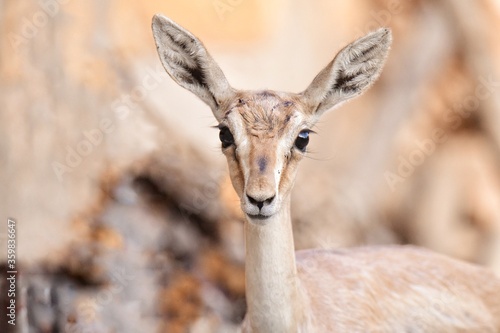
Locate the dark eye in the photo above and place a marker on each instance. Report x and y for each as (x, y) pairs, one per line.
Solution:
(302, 140)
(226, 137)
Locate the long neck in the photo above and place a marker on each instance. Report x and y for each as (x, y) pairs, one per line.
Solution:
(271, 275)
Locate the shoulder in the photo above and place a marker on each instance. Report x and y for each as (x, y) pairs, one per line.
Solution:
(382, 253)
(397, 260)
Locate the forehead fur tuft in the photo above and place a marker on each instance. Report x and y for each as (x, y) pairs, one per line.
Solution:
(267, 114)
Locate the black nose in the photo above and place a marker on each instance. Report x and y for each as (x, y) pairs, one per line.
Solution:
(260, 203)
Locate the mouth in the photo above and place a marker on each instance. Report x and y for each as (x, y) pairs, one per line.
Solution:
(259, 216)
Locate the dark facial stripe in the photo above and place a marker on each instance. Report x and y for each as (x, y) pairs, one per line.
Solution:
(262, 162)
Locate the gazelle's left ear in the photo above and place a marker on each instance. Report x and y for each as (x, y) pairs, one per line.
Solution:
(351, 73)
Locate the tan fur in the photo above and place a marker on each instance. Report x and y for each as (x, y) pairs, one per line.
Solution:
(394, 289)
(397, 289)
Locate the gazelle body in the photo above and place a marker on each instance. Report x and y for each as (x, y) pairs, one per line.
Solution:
(264, 135)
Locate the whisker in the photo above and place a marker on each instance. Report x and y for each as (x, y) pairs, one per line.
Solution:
(216, 149)
(323, 159)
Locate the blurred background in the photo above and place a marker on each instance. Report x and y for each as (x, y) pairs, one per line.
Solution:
(126, 218)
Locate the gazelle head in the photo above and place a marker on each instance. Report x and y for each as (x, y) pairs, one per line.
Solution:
(264, 134)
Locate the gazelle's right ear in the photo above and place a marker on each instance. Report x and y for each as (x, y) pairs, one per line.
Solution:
(187, 61)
